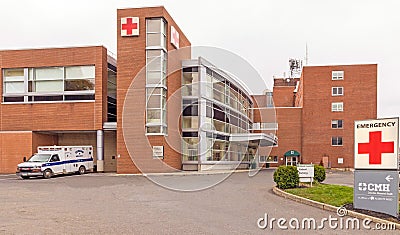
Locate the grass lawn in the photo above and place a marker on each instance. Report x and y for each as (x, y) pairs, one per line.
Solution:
(335, 195)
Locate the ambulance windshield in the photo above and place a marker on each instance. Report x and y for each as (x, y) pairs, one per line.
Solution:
(40, 158)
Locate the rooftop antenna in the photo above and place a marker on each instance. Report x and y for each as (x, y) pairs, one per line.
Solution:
(295, 66)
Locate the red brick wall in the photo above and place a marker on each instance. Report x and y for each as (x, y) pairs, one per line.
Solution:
(13, 147)
(298, 102)
(283, 96)
(259, 101)
(131, 59)
(43, 140)
(289, 132)
(56, 116)
(360, 102)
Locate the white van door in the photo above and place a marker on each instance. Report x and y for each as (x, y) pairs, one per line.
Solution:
(56, 164)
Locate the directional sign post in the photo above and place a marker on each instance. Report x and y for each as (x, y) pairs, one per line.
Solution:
(377, 191)
(376, 176)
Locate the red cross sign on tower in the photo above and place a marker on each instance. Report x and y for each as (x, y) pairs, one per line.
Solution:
(130, 26)
(375, 147)
(174, 37)
(376, 144)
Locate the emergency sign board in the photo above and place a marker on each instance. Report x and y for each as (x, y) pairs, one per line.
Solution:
(376, 144)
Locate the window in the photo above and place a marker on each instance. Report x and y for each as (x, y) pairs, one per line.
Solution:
(270, 102)
(336, 91)
(337, 124)
(337, 141)
(49, 84)
(55, 158)
(156, 106)
(268, 159)
(79, 78)
(156, 74)
(190, 81)
(265, 126)
(156, 67)
(14, 81)
(112, 94)
(337, 107)
(189, 147)
(156, 32)
(337, 75)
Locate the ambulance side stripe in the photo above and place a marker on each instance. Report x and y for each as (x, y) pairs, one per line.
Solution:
(67, 162)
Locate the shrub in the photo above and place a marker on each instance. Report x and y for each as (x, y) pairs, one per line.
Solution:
(286, 177)
(319, 173)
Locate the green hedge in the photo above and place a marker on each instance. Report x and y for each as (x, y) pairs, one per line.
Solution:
(286, 177)
(319, 173)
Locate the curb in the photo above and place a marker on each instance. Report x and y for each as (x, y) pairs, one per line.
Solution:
(190, 173)
(327, 207)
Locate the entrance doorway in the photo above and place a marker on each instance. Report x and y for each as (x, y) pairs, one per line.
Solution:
(292, 158)
(291, 161)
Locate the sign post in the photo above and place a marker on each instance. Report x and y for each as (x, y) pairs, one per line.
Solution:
(306, 173)
(376, 175)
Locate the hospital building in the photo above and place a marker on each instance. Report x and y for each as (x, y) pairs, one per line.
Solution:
(154, 108)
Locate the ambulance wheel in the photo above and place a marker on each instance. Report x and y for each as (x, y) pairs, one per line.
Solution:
(47, 174)
(82, 170)
(25, 177)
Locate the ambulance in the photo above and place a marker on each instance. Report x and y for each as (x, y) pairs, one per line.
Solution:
(55, 160)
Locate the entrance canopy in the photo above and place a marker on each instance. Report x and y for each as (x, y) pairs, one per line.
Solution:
(264, 139)
(292, 153)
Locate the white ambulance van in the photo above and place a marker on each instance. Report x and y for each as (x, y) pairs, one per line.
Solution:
(54, 160)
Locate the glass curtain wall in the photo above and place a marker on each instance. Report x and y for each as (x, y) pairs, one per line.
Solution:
(227, 111)
(112, 94)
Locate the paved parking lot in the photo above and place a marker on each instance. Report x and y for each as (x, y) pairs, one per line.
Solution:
(340, 177)
(109, 204)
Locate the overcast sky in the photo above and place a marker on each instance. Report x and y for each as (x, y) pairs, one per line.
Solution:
(266, 33)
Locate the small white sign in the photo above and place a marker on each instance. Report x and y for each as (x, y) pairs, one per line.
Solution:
(158, 151)
(376, 144)
(340, 160)
(306, 172)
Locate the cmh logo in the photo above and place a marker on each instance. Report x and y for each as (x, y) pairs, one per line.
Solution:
(362, 186)
(374, 187)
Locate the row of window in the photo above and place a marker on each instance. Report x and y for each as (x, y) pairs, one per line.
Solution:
(217, 88)
(49, 84)
(220, 118)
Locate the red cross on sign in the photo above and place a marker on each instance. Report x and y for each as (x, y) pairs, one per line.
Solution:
(375, 147)
(130, 26)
